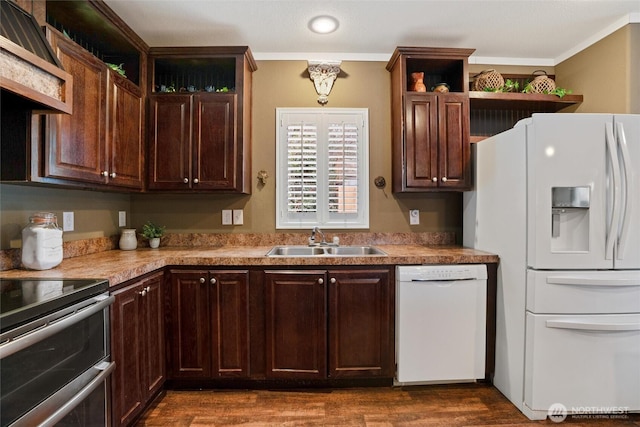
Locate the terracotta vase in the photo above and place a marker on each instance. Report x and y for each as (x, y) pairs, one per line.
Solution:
(417, 84)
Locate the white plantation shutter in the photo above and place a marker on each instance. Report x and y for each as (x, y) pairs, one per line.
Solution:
(302, 167)
(343, 168)
(322, 168)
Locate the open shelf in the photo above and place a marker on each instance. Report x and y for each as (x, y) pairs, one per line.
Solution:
(521, 101)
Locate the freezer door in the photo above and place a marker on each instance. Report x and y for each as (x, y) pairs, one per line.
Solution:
(582, 361)
(567, 205)
(627, 134)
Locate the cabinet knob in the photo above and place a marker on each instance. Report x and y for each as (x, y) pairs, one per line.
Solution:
(143, 292)
(186, 180)
(213, 281)
(320, 281)
(434, 179)
(196, 180)
(104, 173)
(333, 280)
(148, 289)
(444, 179)
(112, 174)
(202, 280)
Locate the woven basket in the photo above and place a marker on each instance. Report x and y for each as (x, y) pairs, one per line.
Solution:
(487, 79)
(542, 83)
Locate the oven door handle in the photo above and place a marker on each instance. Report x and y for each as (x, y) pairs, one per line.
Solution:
(106, 369)
(28, 339)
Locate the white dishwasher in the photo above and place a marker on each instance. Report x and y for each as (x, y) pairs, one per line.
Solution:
(440, 323)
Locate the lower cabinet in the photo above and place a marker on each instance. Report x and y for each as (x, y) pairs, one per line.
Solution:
(325, 324)
(208, 334)
(137, 346)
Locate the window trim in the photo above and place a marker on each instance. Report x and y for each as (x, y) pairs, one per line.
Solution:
(322, 217)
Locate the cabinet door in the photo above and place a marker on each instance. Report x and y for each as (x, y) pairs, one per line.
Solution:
(169, 142)
(230, 323)
(361, 342)
(75, 145)
(421, 141)
(154, 371)
(126, 351)
(296, 324)
(215, 155)
(125, 133)
(190, 342)
(453, 136)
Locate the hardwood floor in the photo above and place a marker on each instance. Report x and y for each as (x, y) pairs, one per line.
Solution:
(434, 405)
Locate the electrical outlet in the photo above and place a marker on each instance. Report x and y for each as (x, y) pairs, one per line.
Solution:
(122, 219)
(238, 217)
(414, 217)
(227, 218)
(67, 221)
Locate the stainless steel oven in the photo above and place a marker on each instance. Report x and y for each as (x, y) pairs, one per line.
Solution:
(54, 352)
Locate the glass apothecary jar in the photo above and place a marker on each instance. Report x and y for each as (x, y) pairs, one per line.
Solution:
(42, 242)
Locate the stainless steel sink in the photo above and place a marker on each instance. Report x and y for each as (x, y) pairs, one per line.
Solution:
(313, 251)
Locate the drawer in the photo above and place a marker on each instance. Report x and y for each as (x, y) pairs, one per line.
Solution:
(597, 292)
(582, 361)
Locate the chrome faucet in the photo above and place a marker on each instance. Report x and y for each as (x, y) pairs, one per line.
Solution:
(323, 242)
(312, 239)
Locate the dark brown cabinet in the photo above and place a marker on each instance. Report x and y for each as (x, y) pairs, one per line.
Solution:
(199, 134)
(329, 324)
(361, 318)
(193, 142)
(437, 146)
(296, 324)
(208, 335)
(101, 143)
(137, 346)
(430, 130)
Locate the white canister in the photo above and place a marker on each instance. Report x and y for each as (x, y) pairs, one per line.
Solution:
(128, 239)
(42, 242)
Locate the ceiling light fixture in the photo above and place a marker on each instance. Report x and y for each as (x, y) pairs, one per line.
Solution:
(323, 24)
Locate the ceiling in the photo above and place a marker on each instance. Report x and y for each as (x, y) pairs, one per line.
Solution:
(518, 32)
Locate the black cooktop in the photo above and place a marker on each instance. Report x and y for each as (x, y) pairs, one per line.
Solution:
(23, 300)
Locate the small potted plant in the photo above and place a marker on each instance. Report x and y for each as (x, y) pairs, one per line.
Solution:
(153, 232)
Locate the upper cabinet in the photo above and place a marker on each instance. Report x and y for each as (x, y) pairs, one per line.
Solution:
(100, 145)
(430, 126)
(199, 133)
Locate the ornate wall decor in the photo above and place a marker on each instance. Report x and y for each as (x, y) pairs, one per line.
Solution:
(323, 74)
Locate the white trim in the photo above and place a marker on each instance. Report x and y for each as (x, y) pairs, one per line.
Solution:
(631, 18)
(497, 60)
(321, 56)
(322, 216)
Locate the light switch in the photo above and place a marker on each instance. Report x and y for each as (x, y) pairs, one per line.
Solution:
(238, 217)
(122, 219)
(414, 217)
(227, 219)
(67, 221)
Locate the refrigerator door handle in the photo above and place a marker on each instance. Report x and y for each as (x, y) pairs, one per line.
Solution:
(626, 215)
(615, 214)
(592, 326)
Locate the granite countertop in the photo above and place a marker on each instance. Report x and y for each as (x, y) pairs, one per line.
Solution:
(119, 266)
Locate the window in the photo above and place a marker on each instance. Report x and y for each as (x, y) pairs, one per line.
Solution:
(322, 164)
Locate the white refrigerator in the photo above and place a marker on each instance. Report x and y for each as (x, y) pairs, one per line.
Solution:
(558, 199)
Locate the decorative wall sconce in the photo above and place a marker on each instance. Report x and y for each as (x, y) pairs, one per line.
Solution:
(262, 177)
(323, 74)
